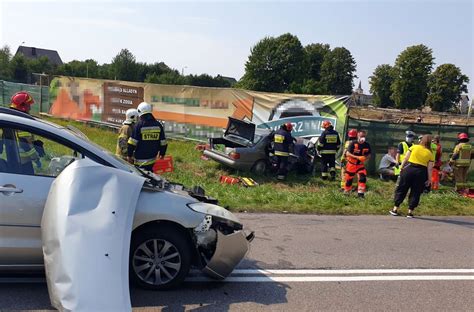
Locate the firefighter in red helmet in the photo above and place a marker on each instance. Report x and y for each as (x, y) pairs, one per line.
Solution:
(357, 154)
(351, 137)
(31, 150)
(22, 101)
(461, 159)
(328, 144)
(282, 143)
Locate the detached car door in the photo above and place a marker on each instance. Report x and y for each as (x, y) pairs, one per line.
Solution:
(27, 170)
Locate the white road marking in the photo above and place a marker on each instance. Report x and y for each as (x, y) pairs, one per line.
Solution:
(310, 275)
(293, 279)
(349, 271)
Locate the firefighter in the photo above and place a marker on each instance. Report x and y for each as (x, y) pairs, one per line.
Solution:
(357, 154)
(403, 147)
(352, 136)
(328, 144)
(125, 132)
(461, 158)
(30, 149)
(437, 163)
(282, 144)
(148, 141)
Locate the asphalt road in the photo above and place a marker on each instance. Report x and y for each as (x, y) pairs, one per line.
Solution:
(310, 262)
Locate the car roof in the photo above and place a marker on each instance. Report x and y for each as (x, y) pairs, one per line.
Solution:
(24, 120)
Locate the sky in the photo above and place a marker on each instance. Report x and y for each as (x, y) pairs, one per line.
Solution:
(216, 37)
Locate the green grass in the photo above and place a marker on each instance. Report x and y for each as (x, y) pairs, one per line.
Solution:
(299, 194)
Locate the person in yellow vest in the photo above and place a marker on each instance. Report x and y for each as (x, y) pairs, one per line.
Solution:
(403, 147)
(125, 132)
(351, 137)
(461, 158)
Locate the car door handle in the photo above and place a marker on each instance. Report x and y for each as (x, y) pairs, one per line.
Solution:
(8, 189)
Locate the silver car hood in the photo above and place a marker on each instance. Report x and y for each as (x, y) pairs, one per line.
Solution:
(86, 229)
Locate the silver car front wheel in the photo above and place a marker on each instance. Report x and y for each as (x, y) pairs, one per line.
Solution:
(156, 262)
(159, 258)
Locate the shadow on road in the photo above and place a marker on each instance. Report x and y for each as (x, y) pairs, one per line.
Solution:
(212, 296)
(202, 296)
(464, 223)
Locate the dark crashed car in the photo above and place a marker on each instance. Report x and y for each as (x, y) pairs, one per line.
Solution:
(244, 147)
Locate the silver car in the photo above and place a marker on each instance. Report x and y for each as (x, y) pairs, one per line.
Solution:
(185, 227)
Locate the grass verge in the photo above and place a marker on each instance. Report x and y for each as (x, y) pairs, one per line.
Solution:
(299, 194)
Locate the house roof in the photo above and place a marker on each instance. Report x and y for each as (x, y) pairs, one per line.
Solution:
(34, 53)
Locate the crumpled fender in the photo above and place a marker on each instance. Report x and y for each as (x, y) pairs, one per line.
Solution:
(86, 229)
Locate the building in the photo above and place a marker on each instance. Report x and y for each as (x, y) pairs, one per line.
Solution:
(34, 53)
(359, 98)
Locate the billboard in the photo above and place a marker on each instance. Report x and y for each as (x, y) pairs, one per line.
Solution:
(195, 111)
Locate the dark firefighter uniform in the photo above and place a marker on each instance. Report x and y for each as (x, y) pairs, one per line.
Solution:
(147, 141)
(356, 166)
(282, 141)
(328, 145)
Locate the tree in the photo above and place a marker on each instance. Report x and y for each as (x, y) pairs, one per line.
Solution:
(314, 57)
(338, 72)
(274, 64)
(412, 69)
(445, 85)
(124, 66)
(205, 80)
(19, 68)
(40, 65)
(5, 57)
(380, 85)
(170, 78)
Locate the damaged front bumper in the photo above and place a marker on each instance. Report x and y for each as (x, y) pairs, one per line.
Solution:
(230, 250)
(220, 240)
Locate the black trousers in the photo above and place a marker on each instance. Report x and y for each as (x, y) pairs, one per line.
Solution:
(413, 178)
(282, 165)
(328, 163)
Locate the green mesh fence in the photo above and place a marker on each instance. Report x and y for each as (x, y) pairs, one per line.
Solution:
(40, 95)
(382, 135)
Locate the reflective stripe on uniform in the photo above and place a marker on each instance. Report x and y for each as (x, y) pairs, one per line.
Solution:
(327, 152)
(278, 153)
(163, 143)
(331, 138)
(279, 138)
(132, 141)
(24, 134)
(145, 162)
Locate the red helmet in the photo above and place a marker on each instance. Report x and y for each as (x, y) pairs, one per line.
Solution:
(463, 136)
(352, 133)
(289, 126)
(326, 124)
(22, 101)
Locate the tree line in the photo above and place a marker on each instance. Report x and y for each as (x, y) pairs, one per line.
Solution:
(412, 83)
(281, 64)
(123, 66)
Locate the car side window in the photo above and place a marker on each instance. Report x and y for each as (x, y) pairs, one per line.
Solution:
(42, 156)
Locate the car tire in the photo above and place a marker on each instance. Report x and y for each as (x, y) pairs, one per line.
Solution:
(160, 257)
(260, 167)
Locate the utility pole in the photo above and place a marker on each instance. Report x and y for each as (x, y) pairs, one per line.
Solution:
(41, 89)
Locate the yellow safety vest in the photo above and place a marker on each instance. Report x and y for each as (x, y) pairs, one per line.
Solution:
(405, 151)
(463, 150)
